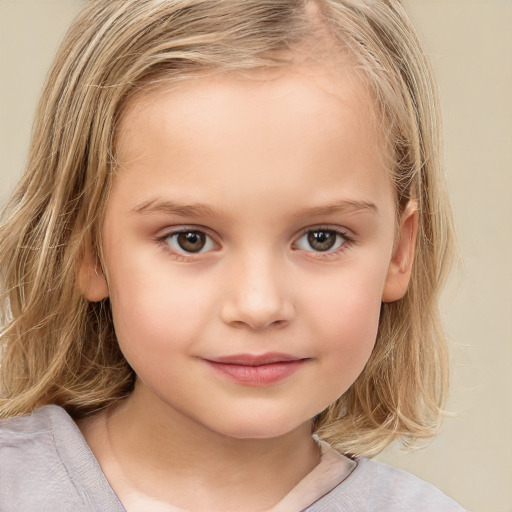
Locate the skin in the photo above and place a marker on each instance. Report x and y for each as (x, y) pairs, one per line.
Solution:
(270, 158)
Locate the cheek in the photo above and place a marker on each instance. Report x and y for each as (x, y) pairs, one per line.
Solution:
(156, 312)
(350, 330)
(348, 301)
(346, 319)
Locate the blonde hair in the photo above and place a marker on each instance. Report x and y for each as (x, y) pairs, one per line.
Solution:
(59, 348)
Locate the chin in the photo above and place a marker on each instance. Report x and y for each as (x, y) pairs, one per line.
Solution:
(262, 428)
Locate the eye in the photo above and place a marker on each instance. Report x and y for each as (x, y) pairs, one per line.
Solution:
(189, 241)
(321, 240)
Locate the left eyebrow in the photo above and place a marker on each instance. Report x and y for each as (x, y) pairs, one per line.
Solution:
(172, 208)
(345, 206)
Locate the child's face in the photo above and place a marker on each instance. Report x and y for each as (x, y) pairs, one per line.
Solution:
(251, 222)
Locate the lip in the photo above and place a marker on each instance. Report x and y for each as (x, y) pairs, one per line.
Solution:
(257, 370)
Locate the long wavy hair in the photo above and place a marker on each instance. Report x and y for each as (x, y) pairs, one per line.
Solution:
(59, 348)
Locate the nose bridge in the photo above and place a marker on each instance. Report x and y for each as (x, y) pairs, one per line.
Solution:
(258, 295)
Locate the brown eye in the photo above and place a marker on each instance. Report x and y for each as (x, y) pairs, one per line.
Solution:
(190, 242)
(322, 240)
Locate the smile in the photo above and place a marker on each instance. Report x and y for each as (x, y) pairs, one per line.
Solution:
(256, 370)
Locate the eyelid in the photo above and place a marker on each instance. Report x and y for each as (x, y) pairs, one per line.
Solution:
(344, 233)
(168, 232)
(185, 228)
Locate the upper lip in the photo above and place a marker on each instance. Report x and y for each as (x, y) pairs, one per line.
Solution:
(255, 359)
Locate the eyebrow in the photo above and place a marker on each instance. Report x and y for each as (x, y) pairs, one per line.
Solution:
(344, 206)
(172, 208)
(197, 210)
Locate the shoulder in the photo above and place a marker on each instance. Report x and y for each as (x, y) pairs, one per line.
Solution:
(40, 418)
(30, 462)
(374, 486)
(45, 464)
(34, 434)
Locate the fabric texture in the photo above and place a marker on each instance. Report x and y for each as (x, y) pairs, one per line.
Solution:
(46, 465)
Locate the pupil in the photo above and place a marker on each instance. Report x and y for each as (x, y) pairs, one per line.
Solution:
(192, 241)
(322, 240)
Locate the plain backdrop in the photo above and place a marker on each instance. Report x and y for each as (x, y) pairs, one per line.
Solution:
(470, 43)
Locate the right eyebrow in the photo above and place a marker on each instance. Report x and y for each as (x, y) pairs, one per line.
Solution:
(171, 208)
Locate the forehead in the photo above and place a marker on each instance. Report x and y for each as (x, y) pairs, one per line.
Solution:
(303, 126)
(304, 86)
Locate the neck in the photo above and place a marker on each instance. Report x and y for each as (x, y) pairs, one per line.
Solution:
(174, 459)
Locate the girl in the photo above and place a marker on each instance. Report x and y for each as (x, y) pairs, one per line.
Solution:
(231, 235)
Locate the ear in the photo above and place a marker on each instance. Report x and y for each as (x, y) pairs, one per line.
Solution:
(400, 267)
(91, 280)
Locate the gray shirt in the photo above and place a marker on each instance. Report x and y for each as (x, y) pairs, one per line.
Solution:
(47, 466)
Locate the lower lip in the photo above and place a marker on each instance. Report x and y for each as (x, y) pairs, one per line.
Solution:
(261, 375)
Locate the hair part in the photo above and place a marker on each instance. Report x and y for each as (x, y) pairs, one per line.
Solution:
(59, 348)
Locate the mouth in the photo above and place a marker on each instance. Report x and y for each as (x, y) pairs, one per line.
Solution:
(257, 370)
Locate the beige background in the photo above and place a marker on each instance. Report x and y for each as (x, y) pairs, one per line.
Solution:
(470, 42)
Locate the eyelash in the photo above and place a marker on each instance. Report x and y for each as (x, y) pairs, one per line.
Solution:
(163, 241)
(346, 244)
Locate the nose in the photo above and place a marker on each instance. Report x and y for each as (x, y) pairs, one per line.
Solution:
(257, 295)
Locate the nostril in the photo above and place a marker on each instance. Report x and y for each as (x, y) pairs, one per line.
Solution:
(276, 324)
(279, 323)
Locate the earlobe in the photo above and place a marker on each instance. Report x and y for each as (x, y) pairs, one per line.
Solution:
(400, 267)
(91, 280)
